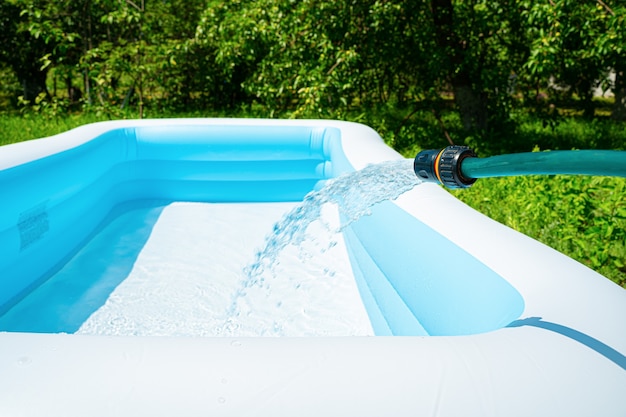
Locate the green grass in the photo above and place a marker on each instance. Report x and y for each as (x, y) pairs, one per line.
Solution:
(20, 127)
(571, 133)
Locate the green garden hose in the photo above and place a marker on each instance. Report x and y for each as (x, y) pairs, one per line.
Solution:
(458, 166)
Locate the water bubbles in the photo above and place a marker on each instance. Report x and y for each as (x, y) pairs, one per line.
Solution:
(277, 328)
(230, 327)
(352, 195)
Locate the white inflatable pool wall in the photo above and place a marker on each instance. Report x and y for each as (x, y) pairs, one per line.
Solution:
(563, 355)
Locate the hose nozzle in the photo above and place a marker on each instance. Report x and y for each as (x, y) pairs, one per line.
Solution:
(444, 166)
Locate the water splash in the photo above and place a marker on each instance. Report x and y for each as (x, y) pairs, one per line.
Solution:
(353, 194)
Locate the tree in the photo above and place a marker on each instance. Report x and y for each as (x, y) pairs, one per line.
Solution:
(611, 45)
(317, 57)
(479, 47)
(576, 44)
(22, 51)
(119, 48)
(146, 51)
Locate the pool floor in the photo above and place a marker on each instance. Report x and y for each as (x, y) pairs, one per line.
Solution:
(175, 270)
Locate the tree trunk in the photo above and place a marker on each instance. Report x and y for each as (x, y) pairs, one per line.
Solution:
(619, 90)
(470, 104)
(87, 46)
(585, 94)
(33, 83)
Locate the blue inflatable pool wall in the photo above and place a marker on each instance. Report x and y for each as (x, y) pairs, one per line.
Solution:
(52, 205)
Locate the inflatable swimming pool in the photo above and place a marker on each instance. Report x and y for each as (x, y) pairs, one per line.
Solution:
(476, 319)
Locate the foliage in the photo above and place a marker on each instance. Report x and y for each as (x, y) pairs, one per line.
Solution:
(574, 45)
(480, 46)
(9, 88)
(22, 50)
(583, 217)
(315, 58)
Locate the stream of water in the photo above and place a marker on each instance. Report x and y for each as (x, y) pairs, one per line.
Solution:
(352, 195)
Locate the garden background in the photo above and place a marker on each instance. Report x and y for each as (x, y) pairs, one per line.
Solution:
(499, 76)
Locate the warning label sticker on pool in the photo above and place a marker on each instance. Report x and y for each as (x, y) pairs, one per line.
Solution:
(33, 225)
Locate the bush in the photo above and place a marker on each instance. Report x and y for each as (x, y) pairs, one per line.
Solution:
(571, 132)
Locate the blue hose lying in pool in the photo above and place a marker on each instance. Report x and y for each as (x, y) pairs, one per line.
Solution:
(458, 166)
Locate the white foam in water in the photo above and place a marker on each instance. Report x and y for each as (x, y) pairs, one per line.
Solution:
(198, 274)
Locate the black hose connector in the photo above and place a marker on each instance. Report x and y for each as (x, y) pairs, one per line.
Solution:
(444, 166)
